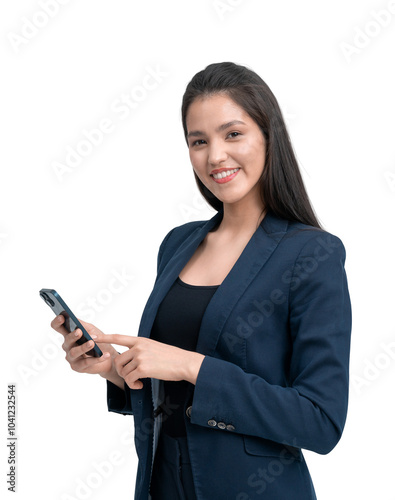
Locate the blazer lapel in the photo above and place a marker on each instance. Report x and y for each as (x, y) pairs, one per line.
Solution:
(254, 256)
(171, 271)
(256, 253)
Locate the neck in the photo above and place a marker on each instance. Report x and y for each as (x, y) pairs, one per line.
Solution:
(236, 221)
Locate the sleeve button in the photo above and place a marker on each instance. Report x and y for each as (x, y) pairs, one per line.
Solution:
(188, 411)
(230, 427)
(221, 425)
(212, 423)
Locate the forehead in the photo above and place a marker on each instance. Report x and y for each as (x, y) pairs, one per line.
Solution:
(214, 110)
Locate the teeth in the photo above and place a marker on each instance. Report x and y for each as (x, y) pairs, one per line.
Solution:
(223, 174)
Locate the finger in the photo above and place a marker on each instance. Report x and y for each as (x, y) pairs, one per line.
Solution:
(127, 371)
(84, 364)
(91, 329)
(127, 368)
(123, 359)
(88, 326)
(124, 366)
(84, 323)
(125, 340)
(79, 350)
(57, 324)
(71, 338)
(133, 383)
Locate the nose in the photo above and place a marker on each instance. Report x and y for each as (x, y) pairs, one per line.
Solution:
(217, 153)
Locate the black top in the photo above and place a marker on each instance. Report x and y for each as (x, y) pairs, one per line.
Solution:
(177, 323)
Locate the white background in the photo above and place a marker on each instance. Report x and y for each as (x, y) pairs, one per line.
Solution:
(109, 213)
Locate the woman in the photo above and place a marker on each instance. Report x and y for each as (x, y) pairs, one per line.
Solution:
(242, 354)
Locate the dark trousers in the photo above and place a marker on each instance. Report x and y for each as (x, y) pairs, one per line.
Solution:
(172, 474)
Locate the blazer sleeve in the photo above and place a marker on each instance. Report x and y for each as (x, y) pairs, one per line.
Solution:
(119, 400)
(310, 412)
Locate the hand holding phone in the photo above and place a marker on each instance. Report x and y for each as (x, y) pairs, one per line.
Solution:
(59, 306)
(76, 341)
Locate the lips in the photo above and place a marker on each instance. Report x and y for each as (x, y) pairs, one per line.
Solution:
(223, 172)
(219, 170)
(225, 175)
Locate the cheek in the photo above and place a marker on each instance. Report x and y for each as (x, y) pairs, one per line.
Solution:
(197, 160)
(192, 158)
(252, 153)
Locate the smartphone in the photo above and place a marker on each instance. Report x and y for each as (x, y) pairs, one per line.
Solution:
(59, 306)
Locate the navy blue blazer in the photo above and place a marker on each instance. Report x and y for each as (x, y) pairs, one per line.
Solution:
(275, 377)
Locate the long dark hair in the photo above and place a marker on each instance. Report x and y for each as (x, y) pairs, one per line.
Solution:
(282, 188)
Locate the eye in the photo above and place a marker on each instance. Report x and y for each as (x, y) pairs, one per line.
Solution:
(231, 134)
(198, 142)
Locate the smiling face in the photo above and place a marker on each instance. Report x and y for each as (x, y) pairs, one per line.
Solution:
(227, 150)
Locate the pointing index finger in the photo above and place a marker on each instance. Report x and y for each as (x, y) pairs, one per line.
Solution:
(125, 340)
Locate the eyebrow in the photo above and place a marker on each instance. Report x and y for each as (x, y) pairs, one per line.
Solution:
(222, 127)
